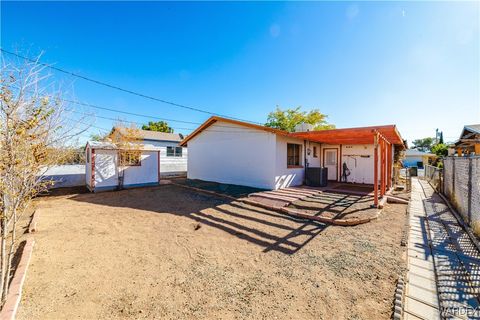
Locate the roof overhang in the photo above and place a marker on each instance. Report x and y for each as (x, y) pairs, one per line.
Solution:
(362, 135)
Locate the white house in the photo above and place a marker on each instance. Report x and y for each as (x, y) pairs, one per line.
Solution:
(417, 158)
(158, 155)
(229, 151)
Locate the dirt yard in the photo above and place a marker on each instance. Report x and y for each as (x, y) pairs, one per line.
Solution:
(169, 252)
(337, 206)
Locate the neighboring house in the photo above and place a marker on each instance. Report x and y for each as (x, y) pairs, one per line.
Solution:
(156, 155)
(469, 141)
(417, 158)
(154, 138)
(235, 152)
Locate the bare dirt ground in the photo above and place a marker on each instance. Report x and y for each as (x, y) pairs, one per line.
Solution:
(169, 252)
(337, 206)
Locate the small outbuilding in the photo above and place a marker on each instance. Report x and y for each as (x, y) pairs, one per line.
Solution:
(235, 152)
(145, 162)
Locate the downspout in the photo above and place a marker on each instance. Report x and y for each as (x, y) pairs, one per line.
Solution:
(341, 164)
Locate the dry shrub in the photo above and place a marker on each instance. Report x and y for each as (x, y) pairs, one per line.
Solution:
(34, 133)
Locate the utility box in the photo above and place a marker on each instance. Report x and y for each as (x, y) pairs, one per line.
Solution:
(413, 171)
(316, 176)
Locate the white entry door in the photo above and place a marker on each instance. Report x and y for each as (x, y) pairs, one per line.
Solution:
(331, 162)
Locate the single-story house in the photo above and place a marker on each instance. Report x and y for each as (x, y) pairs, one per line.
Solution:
(154, 156)
(417, 158)
(469, 141)
(235, 152)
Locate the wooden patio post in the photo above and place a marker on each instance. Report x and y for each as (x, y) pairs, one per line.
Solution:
(389, 165)
(375, 170)
(385, 170)
(382, 167)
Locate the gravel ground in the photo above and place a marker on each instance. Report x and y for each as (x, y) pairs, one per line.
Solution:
(168, 253)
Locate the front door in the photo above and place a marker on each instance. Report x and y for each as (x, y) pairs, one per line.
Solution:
(331, 162)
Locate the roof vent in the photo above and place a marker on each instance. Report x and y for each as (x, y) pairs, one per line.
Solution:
(303, 127)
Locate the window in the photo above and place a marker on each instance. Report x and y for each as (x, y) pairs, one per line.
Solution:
(293, 154)
(130, 158)
(315, 154)
(174, 151)
(178, 151)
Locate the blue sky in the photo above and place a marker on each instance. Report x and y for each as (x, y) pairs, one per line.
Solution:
(414, 64)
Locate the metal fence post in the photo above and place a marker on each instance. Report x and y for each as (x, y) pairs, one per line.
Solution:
(441, 182)
(453, 178)
(469, 199)
(443, 177)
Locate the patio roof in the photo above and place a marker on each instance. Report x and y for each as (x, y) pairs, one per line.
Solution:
(362, 135)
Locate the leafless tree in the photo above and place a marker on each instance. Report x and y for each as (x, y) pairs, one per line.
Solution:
(34, 134)
(128, 140)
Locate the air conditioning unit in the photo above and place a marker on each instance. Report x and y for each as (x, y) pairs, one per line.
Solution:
(303, 127)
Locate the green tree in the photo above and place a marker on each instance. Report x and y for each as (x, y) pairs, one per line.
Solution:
(440, 140)
(289, 118)
(161, 126)
(424, 144)
(440, 149)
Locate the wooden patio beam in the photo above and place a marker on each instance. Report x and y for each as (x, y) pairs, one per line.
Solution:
(375, 170)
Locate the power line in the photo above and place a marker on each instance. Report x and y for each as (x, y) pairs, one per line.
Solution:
(88, 124)
(113, 119)
(119, 88)
(139, 115)
(126, 112)
(139, 123)
(111, 109)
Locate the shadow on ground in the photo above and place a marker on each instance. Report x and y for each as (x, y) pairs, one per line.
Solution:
(268, 229)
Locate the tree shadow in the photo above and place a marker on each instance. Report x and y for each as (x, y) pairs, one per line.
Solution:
(335, 204)
(270, 230)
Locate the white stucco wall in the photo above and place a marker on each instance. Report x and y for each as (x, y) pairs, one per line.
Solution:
(359, 160)
(106, 174)
(284, 176)
(314, 161)
(145, 173)
(233, 154)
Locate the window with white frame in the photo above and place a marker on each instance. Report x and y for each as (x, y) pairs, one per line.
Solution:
(174, 151)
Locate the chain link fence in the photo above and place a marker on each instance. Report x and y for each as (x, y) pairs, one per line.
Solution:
(434, 176)
(461, 185)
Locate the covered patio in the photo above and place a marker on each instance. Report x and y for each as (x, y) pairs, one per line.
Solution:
(385, 140)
